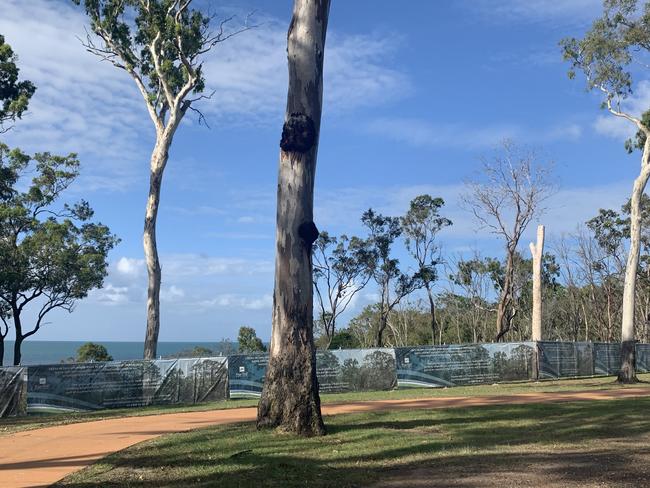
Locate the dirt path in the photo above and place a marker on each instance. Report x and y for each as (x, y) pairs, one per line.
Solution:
(40, 457)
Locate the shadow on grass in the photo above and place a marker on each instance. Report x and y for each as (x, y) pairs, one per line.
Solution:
(603, 442)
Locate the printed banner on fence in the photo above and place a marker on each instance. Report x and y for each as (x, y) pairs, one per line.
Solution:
(342, 370)
(607, 358)
(565, 359)
(338, 371)
(13, 391)
(246, 374)
(92, 386)
(467, 364)
(643, 358)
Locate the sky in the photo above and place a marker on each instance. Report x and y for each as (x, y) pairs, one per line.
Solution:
(415, 94)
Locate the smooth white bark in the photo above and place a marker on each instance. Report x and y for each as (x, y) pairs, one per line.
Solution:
(537, 250)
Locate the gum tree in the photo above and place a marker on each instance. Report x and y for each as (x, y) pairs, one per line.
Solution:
(610, 53)
(161, 44)
(385, 270)
(51, 255)
(290, 399)
(420, 227)
(340, 272)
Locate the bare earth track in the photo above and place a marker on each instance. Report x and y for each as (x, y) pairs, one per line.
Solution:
(37, 458)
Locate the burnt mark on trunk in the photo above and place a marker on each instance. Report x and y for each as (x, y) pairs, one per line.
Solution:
(308, 232)
(298, 133)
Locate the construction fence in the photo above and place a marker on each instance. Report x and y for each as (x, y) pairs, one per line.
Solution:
(121, 384)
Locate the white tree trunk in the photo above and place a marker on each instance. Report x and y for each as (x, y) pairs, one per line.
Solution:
(627, 372)
(159, 158)
(537, 250)
(290, 398)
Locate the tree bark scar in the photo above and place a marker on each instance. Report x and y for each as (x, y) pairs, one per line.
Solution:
(298, 133)
(308, 233)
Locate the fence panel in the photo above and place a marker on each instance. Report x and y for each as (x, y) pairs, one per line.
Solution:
(13, 391)
(607, 358)
(565, 359)
(338, 371)
(467, 364)
(92, 386)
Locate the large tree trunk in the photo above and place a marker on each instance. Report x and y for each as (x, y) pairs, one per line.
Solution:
(627, 372)
(158, 162)
(290, 398)
(537, 251)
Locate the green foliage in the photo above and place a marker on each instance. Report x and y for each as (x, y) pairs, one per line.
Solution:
(92, 352)
(248, 341)
(344, 339)
(385, 269)
(420, 226)
(160, 43)
(195, 352)
(608, 52)
(50, 256)
(14, 94)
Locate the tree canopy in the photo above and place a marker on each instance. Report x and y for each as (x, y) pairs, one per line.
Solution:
(49, 256)
(14, 94)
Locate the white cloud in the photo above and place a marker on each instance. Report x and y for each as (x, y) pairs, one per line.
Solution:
(422, 133)
(194, 265)
(87, 106)
(230, 300)
(172, 294)
(111, 294)
(568, 12)
(131, 267)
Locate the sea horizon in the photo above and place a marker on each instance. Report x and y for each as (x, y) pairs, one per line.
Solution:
(55, 352)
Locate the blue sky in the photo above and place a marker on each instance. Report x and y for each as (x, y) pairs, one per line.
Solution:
(415, 93)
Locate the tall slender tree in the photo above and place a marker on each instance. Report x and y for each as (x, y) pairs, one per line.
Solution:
(616, 45)
(420, 227)
(161, 44)
(393, 283)
(341, 270)
(290, 399)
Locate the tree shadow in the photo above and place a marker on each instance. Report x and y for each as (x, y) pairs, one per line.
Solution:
(465, 448)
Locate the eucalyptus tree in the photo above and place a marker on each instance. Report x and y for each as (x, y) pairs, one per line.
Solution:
(14, 94)
(341, 271)
(290, 399)
(392, 282)
(50, 257)
(420, 227)
(615, 48)
(505, 199)
(162, 45)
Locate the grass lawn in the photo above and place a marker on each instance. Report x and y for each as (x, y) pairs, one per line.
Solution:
(16, 424)
(582, 444)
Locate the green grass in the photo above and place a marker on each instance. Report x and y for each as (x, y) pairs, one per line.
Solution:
(589, 443)
(16, 424)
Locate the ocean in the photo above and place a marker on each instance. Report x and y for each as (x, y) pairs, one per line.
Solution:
(53, 352)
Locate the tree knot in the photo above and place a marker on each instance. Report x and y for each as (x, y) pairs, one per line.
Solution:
(298, 133)
(308, 232)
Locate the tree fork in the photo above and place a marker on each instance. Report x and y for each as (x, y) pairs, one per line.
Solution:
(290, 399)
